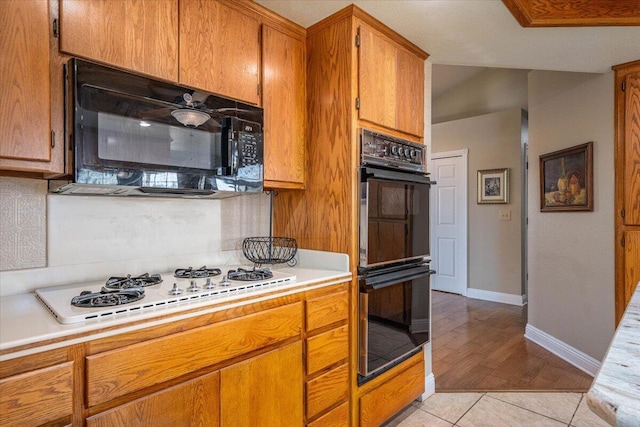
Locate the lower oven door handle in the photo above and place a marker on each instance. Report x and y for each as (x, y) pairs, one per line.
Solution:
(380, 281)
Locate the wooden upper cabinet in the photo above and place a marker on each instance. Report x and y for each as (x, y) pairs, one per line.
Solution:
(220, 49)
(137, 35)
(391, 83)
(284, 103)
(377, 78)
(25, 121)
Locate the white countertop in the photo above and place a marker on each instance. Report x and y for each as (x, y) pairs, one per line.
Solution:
(28, 327)
(615, 392)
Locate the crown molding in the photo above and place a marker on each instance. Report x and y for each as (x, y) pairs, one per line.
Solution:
(574, 13)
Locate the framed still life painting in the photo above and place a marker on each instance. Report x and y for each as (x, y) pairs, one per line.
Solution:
(493, 186)
(566, 179)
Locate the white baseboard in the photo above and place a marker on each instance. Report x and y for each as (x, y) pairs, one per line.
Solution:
(580, 360)
(429, 387)
(512, 299)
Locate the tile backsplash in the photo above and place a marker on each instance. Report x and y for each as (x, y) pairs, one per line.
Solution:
(23, 225)
(85, 238)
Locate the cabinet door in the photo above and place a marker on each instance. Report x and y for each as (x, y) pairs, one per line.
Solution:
(410, 93)
(264, 391)
(632, 150)
(219, 49)
(284, 103)
(25, 84)
(631, 263)
(137, 35)
(377, 78)
(193, 403)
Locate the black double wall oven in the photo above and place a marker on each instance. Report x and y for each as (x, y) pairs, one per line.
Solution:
(394, 265)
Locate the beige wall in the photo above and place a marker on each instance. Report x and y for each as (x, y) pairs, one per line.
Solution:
(494, 141)
(494, 89)
(427, 140)
(571, 254)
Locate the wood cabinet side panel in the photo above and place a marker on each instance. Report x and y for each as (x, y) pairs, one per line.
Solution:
(26, 98)
(381, 403)
(193, 403)
(37, 397)
(264, 391)
(284, 103)
(326, 310)
(327, 349)
(632, 150)
(111, 374)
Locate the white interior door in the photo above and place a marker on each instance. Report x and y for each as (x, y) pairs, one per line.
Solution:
(449, 221)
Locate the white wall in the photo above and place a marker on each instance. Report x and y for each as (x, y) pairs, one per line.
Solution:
(571, 254)
(428, 368)
(494, 89)
(93, 237)
(494, 141)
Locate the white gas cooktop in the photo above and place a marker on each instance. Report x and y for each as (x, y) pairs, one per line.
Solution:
(57, 299)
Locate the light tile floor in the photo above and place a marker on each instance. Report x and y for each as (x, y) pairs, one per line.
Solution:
(499, 410)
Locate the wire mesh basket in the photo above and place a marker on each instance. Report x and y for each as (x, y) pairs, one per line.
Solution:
(269, 250)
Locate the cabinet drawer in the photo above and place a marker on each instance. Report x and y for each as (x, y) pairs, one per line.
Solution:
(327, 390)
(383, 402)
(327, 349)
(338, 417)
(118, 372)
(37, 397)
(326, 310)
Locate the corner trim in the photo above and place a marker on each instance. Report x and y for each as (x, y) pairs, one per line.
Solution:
(571, 355)
(501, 297)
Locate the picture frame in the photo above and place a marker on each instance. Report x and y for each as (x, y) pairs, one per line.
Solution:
(493, 186)
(566, 179)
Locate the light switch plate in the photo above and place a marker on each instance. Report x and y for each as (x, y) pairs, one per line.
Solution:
(504, 215)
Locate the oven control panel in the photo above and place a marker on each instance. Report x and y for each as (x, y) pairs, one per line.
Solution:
(384, 150)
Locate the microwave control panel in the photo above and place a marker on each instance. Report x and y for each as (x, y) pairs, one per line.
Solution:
(384, 150)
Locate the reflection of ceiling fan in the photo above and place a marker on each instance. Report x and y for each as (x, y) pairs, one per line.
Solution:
(191, 116)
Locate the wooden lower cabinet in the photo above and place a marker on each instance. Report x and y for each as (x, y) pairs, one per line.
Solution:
(264, 391)
(326, 390)
(337, 417)
(193, 403)
(37, 397)
(384, 401)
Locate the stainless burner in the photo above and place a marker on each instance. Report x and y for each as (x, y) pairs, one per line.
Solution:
(133, 282)
(249, 275)
(191, 273)
(107, 297)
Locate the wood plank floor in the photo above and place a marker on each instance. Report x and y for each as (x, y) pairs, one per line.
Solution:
(480, 346)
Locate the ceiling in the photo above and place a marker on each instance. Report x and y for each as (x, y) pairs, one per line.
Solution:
(482, 33)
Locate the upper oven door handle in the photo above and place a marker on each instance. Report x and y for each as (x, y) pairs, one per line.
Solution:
(373, 282)
(394, 175)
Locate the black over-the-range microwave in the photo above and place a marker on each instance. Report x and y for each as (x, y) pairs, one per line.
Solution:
(133, 135)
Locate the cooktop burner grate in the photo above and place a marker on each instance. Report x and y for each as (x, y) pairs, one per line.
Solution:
(107, 297)
(191, 273)
(245, 275)
(133, 282)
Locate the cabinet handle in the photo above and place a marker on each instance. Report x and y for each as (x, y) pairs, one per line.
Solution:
(53, 139)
